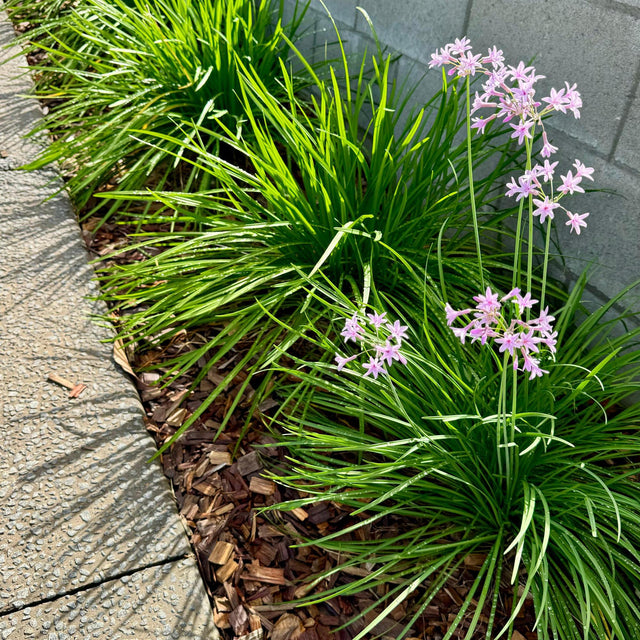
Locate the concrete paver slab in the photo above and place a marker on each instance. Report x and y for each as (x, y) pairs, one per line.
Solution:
(79, 502)
(14, 77)
(155, 603)
(91, 545)
(18, 112)
(414, 27)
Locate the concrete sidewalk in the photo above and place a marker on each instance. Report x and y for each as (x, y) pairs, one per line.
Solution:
(91, 545)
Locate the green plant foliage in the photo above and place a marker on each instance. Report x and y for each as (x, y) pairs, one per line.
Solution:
(35, 11)
(562, 524)
(325, 197)
(160, 65)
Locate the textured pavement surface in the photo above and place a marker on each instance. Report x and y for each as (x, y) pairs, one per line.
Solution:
(91, 545)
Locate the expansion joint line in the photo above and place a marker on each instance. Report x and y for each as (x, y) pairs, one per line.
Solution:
(92, 585)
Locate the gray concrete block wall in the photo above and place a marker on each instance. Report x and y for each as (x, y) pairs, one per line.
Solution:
(594, 43)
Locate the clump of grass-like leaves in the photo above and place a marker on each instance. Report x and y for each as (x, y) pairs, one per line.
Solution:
(161, 65)
(422, 443)
(325, 197)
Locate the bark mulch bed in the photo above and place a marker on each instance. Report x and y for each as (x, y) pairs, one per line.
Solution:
(248, 558)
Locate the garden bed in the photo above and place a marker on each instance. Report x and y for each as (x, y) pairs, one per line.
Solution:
(451, 489)
(252, 570)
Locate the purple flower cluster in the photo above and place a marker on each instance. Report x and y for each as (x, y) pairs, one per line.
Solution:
(509, 92)
(515, 336)
(379, 337)
(531, 184)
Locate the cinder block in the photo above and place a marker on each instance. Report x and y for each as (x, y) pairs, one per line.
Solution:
(572, 40)
(419, 83)
(305, 43)
(342, 10)
(415, 27)
(327, 45)
(628, 148)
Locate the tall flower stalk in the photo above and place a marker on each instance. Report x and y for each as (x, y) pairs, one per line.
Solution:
(472, 196)
(505, 322)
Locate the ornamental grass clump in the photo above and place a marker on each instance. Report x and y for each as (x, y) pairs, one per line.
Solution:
(325, 200)
(167, 66)
(509, 445)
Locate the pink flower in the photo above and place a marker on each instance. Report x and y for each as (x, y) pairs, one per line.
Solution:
(520, 72)
(494, 57)
(487, 302)
(547, 147)
(461, 332)
(508, 342)
(532, 365)
(468, 65)
(397, 331)
(544, 321)
(544, 209)
(439, 58)
(377, 319)
(481, 101)
(570, 184)
(527, 342)
(576, 221)
(521, 131)
(481, 123)
(524, 302)
(550, 341)
(460, 45)
(495, 79)
(373, 367)
(483, 332)
(342, 361)
(547, 170)
(531, 176)
(352, 330)
(391, 352)
(524, 94)
(512, 294)
(583, 171)
(574, 101)
(452, 314)
(523, 189)
(557, 100)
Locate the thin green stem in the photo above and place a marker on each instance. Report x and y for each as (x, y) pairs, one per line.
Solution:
(519, 239)
(513, 450)
(471, 190)
(546, 257)
(545, 264)
(502, 418)
(530, 232)
(516, 253)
